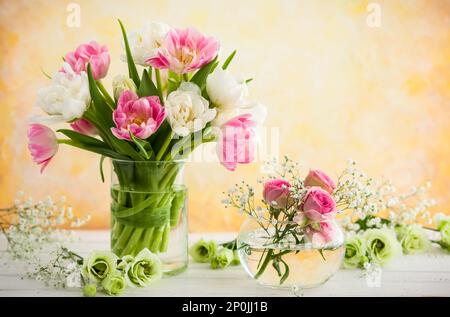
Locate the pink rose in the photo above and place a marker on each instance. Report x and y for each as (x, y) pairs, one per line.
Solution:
(91, 53)
(318, 205)
(42, 144)
(184, 50)
(276, 190)
(83, 126)
(319, 178)
(322, 232)
(236, 143)
(140, 116)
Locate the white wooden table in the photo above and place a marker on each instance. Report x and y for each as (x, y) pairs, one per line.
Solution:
(413, 275)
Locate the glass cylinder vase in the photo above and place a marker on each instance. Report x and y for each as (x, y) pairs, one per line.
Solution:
(149, 210)
(290, 262)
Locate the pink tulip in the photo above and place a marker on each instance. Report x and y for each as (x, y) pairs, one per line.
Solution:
(236, 144)
(93, 53)
(276, 193)
(140, 116)
(321, 233)
(42, 144)
(318, 205)
(319, 178)
(83, 126)
(184, 50)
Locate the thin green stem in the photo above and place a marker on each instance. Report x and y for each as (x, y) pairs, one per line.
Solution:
(105, 94)
(163, 148)
(264, 264)
(158, 79)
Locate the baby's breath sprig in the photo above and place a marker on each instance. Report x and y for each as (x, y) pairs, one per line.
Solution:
(29, 226)
(364, 200)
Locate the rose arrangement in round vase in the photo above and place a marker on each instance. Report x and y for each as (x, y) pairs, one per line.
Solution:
(148, 127)
(291, 239)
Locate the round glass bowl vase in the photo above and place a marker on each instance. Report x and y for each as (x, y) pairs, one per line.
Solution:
(307, 265)
(149, 210)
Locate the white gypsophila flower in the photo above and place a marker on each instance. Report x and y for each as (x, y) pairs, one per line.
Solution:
(187, 110)
(74, 279)
(145, 42)
(225, 91)
(66, 98)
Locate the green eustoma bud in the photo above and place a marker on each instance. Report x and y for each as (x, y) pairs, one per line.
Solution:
(203, 251)
(355, 251)
(90, 290)
(146, 269)
(382, 245)
(223, 258)
(114, 284)
(413, 239)
(98, 265)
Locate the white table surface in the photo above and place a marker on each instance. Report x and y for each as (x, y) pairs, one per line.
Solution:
(413, 275)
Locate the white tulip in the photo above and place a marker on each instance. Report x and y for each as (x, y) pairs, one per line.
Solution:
(66, 98)
(187, 111)
(257, 110)
(226, 91)
(144, 43)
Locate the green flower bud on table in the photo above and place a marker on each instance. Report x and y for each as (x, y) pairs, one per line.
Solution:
(203, 251)
(444, 229)
(413, 239)
(382, 245)
(223, 258)
(90, 290)
(114, 284)
(98, 265)
(236, 260)
(124, 262)
(146, 269)
(355, 252)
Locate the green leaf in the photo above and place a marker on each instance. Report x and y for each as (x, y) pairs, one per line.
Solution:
(102, 110)
(102, 175)
(147, 87)
(102, 151)
(141, 145)
(321, 253)
(201, 75)
(45, 73)
(248, 80)
(82, 138)
(276, 266)
(286, 271)
(132, 71)
(228, 60)
(173, 82)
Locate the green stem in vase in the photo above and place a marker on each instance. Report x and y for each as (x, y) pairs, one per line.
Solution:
(164, 146)
(157, 238)
(165, 238)
(123, 239)
(145, 240)
(132, 242)
(264, 264)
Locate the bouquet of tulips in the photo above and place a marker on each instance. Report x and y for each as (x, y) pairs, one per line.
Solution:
(181, 96)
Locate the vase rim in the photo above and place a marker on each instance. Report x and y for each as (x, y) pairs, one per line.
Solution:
(147, 161)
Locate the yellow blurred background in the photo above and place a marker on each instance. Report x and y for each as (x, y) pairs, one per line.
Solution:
(336, 86)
